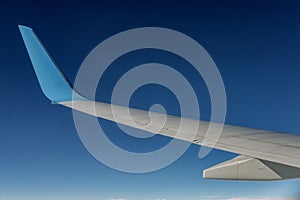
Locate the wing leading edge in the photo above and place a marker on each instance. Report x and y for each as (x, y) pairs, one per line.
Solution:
(264, 155)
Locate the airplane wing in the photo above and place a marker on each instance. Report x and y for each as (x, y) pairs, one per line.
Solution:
(263, 155)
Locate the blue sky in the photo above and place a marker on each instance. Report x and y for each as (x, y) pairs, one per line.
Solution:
(255, 45)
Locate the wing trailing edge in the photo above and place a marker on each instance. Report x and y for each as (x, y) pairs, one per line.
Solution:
(248, 168)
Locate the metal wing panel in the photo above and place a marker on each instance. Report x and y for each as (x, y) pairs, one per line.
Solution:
(261, 144)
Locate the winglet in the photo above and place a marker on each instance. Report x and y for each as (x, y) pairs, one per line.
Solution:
(53, 82)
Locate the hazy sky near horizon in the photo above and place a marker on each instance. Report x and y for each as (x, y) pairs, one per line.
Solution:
(255, 44)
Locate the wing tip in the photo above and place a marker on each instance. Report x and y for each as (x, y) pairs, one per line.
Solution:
(52, 80)
(24, 27)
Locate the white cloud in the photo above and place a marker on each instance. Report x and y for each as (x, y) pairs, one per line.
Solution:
(264, 198)
(118, 199)
(249, 198)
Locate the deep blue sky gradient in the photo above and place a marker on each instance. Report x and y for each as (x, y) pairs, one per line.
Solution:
(255, 44)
